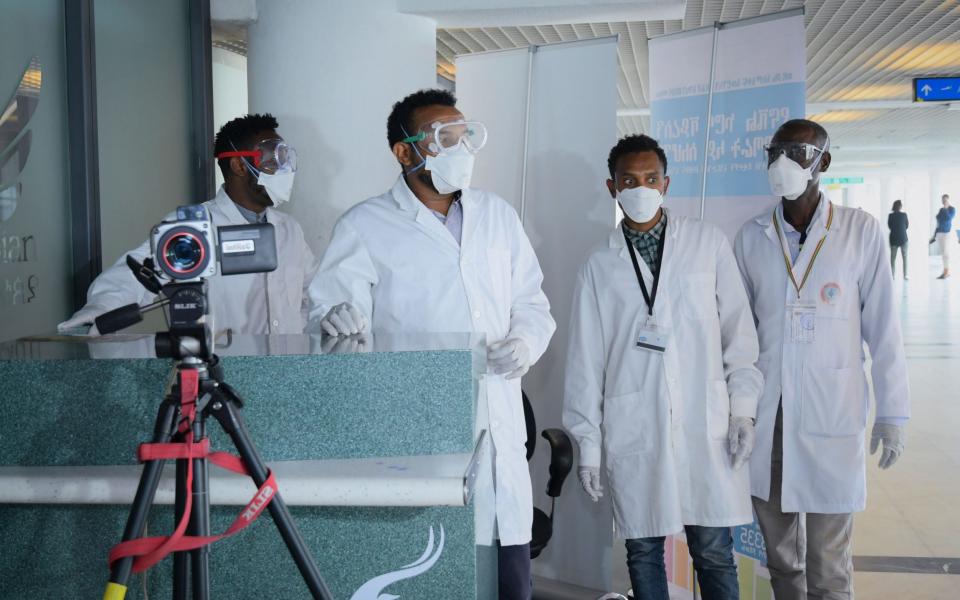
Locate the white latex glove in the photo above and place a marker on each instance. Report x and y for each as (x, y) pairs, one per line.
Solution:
(590, 481)
(740, 436)
(509, 356)
(352, 344)
(344, 319)
(893, 441)
(82, 318)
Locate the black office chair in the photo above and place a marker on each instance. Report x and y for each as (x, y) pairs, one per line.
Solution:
(561, 463)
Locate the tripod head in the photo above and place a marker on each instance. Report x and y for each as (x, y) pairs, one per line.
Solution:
(190, 332)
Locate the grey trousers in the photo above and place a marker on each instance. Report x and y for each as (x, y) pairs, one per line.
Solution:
(809, 555)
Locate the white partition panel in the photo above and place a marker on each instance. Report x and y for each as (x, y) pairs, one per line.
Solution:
(492, 88)
(559, 140)
(754, 92)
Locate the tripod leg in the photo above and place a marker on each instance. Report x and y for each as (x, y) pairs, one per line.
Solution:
(224, 407)
(200, 519)
(180, 564)
(146, 491)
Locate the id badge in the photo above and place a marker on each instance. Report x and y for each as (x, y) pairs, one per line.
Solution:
(803, 322)
(652, 338)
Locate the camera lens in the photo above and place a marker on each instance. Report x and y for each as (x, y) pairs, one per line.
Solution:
(183, 252)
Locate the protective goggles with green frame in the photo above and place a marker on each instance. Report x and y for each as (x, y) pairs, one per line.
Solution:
(447, 137)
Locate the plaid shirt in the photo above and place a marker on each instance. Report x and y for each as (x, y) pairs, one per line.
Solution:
(647, 243)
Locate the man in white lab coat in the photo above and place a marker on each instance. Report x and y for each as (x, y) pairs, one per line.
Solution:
(819, 285)
(434, 255)
(660, 374)
(258, 169)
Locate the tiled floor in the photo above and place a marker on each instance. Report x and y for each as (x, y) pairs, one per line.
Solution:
(913, 509)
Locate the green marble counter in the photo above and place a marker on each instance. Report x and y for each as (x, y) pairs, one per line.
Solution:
(74, 402)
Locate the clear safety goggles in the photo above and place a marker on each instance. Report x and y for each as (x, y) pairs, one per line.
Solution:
(270, 156)
(447, 137)
(799, 152)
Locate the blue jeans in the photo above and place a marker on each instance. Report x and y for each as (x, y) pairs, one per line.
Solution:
(712, 552)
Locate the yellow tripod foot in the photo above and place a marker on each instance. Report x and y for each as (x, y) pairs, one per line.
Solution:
(114, 591)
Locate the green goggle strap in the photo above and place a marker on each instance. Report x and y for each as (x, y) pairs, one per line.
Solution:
(415, 138)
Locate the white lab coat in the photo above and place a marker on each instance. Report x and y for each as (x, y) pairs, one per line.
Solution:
(392, 258)
(823, 383)
(258, 303)
(662, 419)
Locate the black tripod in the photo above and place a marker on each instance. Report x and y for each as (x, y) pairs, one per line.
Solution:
(214, 398)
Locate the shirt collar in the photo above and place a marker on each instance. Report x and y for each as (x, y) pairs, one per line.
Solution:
(454, 207)
(251, 216)
(817, 216)
(231, 209)
(656, 232)
(407, 200)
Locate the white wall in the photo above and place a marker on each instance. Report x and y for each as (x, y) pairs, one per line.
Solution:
(229, 90)
(330, 71)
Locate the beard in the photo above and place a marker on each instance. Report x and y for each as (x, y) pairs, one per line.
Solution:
(427, 180)
(258, 192)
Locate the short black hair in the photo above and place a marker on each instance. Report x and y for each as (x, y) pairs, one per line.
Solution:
(401, 117)
(821, 134)
(632, 144)
(238, 135)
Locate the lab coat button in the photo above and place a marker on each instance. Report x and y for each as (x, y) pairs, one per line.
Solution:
(476, 314)
(276, 323)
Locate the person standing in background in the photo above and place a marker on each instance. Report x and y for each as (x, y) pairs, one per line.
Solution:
(942, 234)
(898, 223)
(258, 169)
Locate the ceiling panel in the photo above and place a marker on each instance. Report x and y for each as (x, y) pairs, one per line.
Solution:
(856, 50)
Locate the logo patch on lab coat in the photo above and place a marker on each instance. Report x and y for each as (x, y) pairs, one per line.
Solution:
(830, 293)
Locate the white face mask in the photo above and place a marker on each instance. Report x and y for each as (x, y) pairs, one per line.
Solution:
(279, 185)
(788, 179)
(640, 203)
(451, 171)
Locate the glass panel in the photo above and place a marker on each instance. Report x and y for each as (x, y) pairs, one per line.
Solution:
(34, 203)
(143, 122)
(143, 117)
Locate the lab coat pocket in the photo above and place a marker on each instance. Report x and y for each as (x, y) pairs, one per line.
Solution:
(834, 401)
(629, 424)
(718, 409)
(699, 296)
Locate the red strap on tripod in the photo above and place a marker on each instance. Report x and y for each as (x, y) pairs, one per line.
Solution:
(148, 551)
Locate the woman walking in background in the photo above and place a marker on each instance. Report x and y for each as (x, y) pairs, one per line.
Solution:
(898, 222)
(942, 233)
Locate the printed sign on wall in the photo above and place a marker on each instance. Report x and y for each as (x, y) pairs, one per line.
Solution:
(758, 84)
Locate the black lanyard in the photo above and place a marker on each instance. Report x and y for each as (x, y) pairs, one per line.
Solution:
(649, 298)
